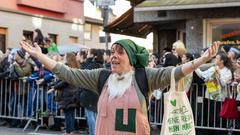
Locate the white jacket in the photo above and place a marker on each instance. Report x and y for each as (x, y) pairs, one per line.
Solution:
(225, 77)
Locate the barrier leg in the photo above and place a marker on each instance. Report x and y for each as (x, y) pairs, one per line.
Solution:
(25, 127)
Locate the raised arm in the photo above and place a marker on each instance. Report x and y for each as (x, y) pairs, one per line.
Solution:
(193, 65)
(82, 78)
(160, 78)
(36, 52)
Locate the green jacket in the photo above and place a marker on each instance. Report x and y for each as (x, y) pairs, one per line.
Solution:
(53, 49)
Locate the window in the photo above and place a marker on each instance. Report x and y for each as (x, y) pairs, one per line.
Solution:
(3, 33)
(73, 39)
(225, 30)
(28, 35)
(87, 31)
(54, 37)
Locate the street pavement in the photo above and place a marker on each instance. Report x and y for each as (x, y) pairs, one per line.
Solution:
(18, 131)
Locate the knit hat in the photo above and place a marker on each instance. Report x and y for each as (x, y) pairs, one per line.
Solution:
(21, 53)
(226, 48)
(137, 55)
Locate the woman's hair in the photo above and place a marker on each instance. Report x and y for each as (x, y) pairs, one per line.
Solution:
(170, 60)
(189, 56)
(108, 52)
(157, 56)
(98, 56)
(226, 61)
(39, 38)
(179, 47)
(83, 54)
(71, 60)
(92, 51)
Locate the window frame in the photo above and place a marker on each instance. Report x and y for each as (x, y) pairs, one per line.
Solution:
(75, 38)
(208, 27)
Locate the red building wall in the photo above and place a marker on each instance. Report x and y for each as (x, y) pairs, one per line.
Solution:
(61, 9)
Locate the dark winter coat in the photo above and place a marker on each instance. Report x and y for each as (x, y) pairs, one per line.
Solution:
(66, 96)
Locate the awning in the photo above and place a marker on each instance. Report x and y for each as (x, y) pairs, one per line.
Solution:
(124, 25)
(156, 5)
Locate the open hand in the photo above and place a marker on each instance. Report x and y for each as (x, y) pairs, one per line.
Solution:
(32, 50)
(50, 90)
(211, 51)
(40, 81)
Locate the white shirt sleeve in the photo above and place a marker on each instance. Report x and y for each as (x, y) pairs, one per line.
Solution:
(225, 76)
(206, 75)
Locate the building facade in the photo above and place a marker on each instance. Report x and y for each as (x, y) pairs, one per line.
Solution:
(196, 23)
(93, 30)
(62, 20)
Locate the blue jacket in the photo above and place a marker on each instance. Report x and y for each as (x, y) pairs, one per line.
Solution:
(48, 76)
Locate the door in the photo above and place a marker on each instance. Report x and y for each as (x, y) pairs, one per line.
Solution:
(2, 42)
(3, 32)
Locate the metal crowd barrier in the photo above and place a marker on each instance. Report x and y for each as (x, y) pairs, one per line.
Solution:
(50, 108)
(25, 101)
(18, 101)
(21, 100)
(205, 111)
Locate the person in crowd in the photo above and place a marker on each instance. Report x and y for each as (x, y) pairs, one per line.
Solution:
(165, 52)
(154, 60)
(38, 39)
(178, 49)
(107, 60)
(81, 57)
(21, 65)
(223, 75)
(237, 79)
(170, 60)
(155, 57)
(4, 64)
(66, 100)
(98, 57)
(19, 68)
(233, 54)
(51, 46)
(186, 82)
(94, 61)
(222, 71)
(115, 111)
(40, 77)
(237, 71)
(225, 49)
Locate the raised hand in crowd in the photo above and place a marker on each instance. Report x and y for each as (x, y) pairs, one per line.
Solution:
(40, 81)
(208, 55)
(36, 52)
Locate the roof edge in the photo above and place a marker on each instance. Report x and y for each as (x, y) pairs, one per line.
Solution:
(181, 7)
(93, 20)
